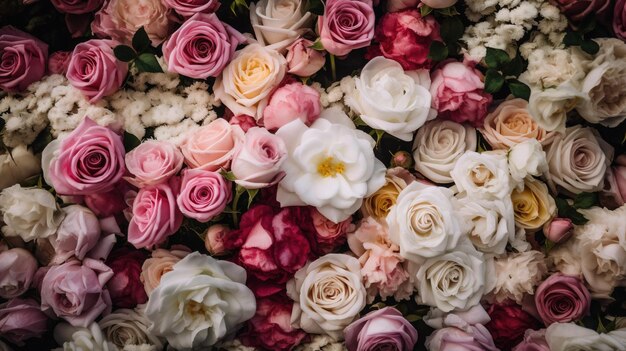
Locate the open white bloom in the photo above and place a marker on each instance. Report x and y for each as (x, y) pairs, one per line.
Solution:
(572, 337)
(390, 99)
(424, 222)
(330, 165)
(126, 327)
(277, 23)
(549, 107)
(549, 67)
(492, 223)
(328, 295)
(321, 343)
(483, 175)
(199, 302)
(81, 339)
(29, 213)
(527, 158)
(18, 165)
(518, 274)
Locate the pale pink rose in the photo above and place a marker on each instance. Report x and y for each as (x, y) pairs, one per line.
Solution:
(89, 160)
(201, 47)
(562, 299)
(212, 146)
(188, 8)
(120, 20)
(76, 292)
(290, 102)
(619, 170)
(94, 70)
(23, 59)
(214, 239)
(439, 4)
(610, 196)
(203, 194)
(78, 233)
(302, 60)
(22, 319)
(458, 95)
(257, 163)
(475, 337)
(619, 19)
(244, 122)
(558, 229)
(399, 5)
(328, 234)
(58, 62)
(384, 329)
(17, 269)
(155, 215)
(153, 162)
(346, 25)
(160, 263)
(534, 340)
(77, 7)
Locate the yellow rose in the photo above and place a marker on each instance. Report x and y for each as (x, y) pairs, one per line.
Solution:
(532, 206)
(379, 204)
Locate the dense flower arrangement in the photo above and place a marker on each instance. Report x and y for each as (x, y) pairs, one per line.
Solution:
(313, 175)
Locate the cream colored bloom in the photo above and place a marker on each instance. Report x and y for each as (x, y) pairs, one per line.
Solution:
(80, 339)
(517, 275)
(18, 165)
(572, 337)
(527, 159)
(492, 223)
(482, 175)
(532, 205)
(277, 23)
(126, 327)
(549, 107)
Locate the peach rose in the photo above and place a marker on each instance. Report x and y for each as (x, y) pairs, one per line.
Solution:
(160, 263)
(212, 147)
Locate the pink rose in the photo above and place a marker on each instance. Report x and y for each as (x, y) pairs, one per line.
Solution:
(577, 10)
(458, 95)
(290, 102)
(399, 5)
(384, 329)
(558, 229)
(188, 8)
(120, 20)
(212, 146)
(244, 122)
(160, 263)
(89, 160)
(302, 60)
(201, 47)
(77, 7)
(203, 194)
(110, 203)
(22, 319)
(619, 170)
(534, 340)
(214, 239)
(76, 292)
(23, 59)
(125, 287)
(257, 163)
(17, 268)
(328, 234)
(153, 162)
(562, 299)
(439, 4)
(94, 70)
(78, 233)
(155, 215)
(58, 62)
(619, 19)
(474, 337)
(346, 25)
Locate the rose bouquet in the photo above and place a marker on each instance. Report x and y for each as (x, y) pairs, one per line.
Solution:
(313, 175)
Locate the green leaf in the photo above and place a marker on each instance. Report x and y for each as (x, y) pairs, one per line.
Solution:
(519, 89)
(124, 53)
(496, 57)
(448, 11)
(438, 51)
(317, 45)
(141, 41)
(130, 141)
(567, 211)
(238, 6)
(452, 29)
(425, 10)
(585, 200)
(590, 47)
(548, 245)
(251, 194)
(315, 7)
(493, 81)
(515, 67)
(413, 318)
(228, 175)
(572, 39)
(587, 25)
(147, 62)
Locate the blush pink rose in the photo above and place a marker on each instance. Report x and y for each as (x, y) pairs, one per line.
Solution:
(17, 269)
(474, 338)
(22, 59)
(153, 162)
(562, 299)
(346, 25)
(77, 7)
(203, 194)
(125, 287)
(383, 329)
(534, 340)
(244, 122)
(58, 62)
(302, 60)
(160, 263)
(290, 102)
(619, 19)
(328, 234)
(188, 8)
(458, 95)
(257, 162)
(94, 70)
(214, 239)
(77, 292)
(78, 233)
(155, 215)
(89, 160)
(212, 146)
(558, 229)
(22, 319)
(201, 47)
(578, 10)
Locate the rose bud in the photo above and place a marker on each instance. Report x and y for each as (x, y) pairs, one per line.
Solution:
(214, 239)
(302, 60)
(402, 159)
(558, 229)
(125, 286)
(22, 319)
(17, 268)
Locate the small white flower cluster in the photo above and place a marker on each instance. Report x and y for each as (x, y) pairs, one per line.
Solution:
(333, 96)
(502, 24)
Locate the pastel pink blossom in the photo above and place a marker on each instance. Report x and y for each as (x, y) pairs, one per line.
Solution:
(346, 25)
(257, 163)
(562, 299)
(78, 233)
(244, 122)
(203, 194)
(290, 102)
(22, 319)
(214, 239)
(534, 340)
(153, 162)
(558, 229)
(328, 234)
(23, 59)
(17, 269)
(212, 146)
(302, 60)
(58, 62)
(383, 329)
(188, 8)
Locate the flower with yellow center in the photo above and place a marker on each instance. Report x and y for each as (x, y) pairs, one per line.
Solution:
(532, 205)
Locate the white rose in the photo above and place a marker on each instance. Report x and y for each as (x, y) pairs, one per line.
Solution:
(438, 319)
(328, 295)
(572, 337)
(438, 145)
(248, 80)
(389, 99)
(424, 222)
(199, 302)
(125, 327)
(279, 22)
(30, 213)
(527, 158)
(549, 107)
(17, 166)
(81, 339)
(330, 165)
(492, 223)
(482, 175)
(577, 160)
(517, 275)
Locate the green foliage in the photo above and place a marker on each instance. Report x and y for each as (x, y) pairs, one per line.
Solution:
(130, 141)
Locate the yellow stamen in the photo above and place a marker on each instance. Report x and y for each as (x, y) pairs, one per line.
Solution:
(330, 168)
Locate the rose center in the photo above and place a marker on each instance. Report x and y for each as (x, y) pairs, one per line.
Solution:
(329, 167)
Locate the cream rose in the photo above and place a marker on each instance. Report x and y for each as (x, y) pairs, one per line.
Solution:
(527, 158)
(328, 295)
(532, 204)
(549, 107)
(572, 337)
(379, 203)
(482, 175)
(492, 223)
(389, 99)
(79, 339)
(29, 213)
(566, 258)
(437, 147)
(424, 222)
(577, 160)
(125, 327)
(199, 302)
(18, 165)
(278, 23)
(246, 83)
(517, 275)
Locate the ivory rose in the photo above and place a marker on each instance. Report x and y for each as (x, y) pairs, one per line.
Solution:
(278, 23)
(532, 204)
(346, 25)
(527, 159)
(24, 59)
(290, 102)
(127, 328)
(570, 337)
(82, 338)
(549, 107)
(120, 20)
(212, 146)
(550, 67)
(482, 175)
(17, 165)
(302, 60)
(153, 162)
(40, 221)
(492, 223)
(17, 269)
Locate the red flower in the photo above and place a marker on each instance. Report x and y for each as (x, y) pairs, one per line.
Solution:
(125, 287)
(509, 323)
